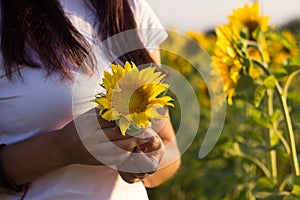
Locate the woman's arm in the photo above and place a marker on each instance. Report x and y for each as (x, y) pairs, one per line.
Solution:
(170, 160)
(27, 160)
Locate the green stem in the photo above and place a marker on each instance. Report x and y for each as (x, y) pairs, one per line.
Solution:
(284, 183)
(272, 153)
(284, 142)
(290, 133)
(257, 162)
(288, 82)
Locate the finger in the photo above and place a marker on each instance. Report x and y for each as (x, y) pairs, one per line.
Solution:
(110, 160)
(113, 133)
(118, 147)
(152, 145)
(107, 153)
(139, 163)
(144, 163)
(104, 123)
(129, 178)
(140, 175)
(94, 113)
(128, 166)
(130, 143)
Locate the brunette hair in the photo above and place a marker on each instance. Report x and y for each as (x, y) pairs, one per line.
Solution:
(40, 27)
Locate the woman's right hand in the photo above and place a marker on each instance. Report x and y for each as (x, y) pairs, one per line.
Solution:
(90, 139)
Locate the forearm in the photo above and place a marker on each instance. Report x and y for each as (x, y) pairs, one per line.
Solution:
(170, 164)
(25, 161)
(161, 175)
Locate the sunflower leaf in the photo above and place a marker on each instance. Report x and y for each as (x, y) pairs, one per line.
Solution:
(259, 95)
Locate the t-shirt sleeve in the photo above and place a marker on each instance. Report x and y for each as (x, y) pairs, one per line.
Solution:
(151, 29)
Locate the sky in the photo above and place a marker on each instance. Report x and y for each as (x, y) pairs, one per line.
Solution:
(202, 15)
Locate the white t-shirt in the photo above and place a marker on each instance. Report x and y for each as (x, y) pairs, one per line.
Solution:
(37, 104)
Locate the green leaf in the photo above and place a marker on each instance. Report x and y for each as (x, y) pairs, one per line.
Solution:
(276, 116)
(296, 189)
(259, 119)
(245, 61)
(256, 33)
(269, 82)
(270, 195)
(244, 33)
(259, 95)
(281, 39)
(297, 180)
(245, 88)
(294, 96)
(265, 183)
(291, 68)
(275, 141)
(291, 197)
(279, 73)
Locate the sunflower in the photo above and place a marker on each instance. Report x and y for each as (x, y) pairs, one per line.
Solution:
(283, 49)
(226, 58)
(132, 96)
(249, 17)
(207, 41)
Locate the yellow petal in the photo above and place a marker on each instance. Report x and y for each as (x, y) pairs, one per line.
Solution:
(103, 101)
(163, 101)
(124, 124)
(153, 114)
(107, 115)
(140, 119)
(158, 89)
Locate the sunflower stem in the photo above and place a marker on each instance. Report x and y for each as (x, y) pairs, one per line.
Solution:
(272, 153)
(258, 163)
(288, 82)
(287, 119)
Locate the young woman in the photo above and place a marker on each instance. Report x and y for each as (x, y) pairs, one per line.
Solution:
(43, 45)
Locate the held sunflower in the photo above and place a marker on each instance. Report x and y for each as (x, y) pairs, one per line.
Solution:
(132, 96)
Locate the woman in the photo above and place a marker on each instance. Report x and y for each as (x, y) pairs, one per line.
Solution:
(43, 44)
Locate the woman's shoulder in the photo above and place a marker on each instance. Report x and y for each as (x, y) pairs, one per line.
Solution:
(139, 5)
(144, 14)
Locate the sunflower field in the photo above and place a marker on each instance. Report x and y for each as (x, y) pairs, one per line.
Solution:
(257, 154)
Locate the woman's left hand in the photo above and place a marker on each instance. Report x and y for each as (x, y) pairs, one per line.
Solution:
(143, 161)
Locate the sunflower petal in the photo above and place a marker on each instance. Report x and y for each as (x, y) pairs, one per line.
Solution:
(103, 102)
(124, 124)
(107, 115)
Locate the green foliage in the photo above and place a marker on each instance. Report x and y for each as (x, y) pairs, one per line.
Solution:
(239, 167)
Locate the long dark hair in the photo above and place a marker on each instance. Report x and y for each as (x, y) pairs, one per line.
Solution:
(40, 27)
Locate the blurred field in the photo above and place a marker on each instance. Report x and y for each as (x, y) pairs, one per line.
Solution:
(230, 170)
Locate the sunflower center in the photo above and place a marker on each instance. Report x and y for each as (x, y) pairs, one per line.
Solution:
(251, 25)
(138, 101)
(128, 101)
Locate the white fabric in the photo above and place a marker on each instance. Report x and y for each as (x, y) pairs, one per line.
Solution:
(38, 104)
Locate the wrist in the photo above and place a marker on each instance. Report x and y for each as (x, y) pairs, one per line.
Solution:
(5, 181)
(72, 149)
(64, 142)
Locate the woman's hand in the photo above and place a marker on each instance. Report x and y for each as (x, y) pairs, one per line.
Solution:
(93, 140)
(143, 161)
